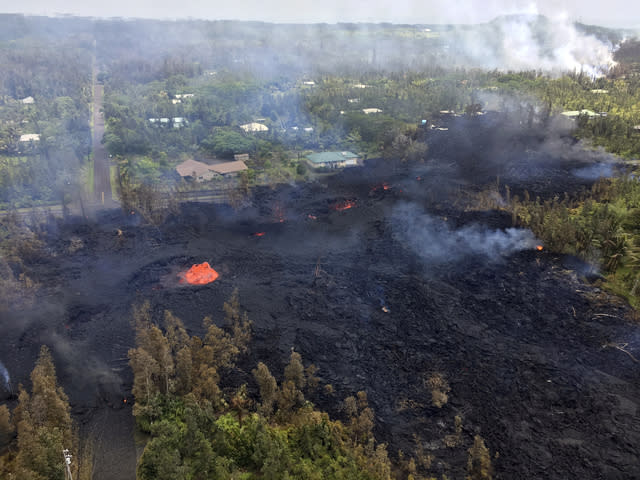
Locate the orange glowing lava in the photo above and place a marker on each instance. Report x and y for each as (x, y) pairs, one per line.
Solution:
(312, 217)
(539, 247)
(383, 186)
(199, 274)
(342, 206)
(259, 234)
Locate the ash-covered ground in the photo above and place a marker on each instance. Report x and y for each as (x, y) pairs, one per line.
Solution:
(379, 277)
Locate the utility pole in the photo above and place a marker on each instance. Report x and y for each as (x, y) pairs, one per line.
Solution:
(67, 464)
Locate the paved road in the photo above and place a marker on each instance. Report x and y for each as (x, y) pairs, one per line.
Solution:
(101, 173)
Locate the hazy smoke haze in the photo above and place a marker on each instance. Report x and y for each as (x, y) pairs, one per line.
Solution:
(435, 242)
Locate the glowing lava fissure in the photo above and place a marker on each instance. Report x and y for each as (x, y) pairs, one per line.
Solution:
(346, 205)
(199, 274)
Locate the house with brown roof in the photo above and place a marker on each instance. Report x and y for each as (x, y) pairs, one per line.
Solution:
(202, 172)
(198, 171)
(229, 168)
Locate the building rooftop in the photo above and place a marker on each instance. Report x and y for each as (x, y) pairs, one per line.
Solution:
(29, 137)
(576, 113)
(229, 167)
(192, 168)
(331, 157)
(254, 127)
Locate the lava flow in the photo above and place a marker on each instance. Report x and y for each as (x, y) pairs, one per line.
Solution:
(346, 205)
(199, 274)
(539, 247)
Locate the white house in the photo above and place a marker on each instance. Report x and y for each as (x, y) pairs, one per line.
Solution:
(30, 137)
(254, 127)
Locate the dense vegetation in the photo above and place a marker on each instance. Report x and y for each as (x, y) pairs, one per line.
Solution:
(33, 436)
(198, 431)
(602, 227)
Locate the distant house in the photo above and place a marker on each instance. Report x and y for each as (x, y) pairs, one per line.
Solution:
(254, 127)
(599, 90)
(309, 83)
(202, 172)
(176, 100)
(243, 157)
(198, 171)
(577, 113)
(353, 100)
(368, 111)
(229, 168)
(184, 95)
(360, 85)
(334, 159)
(161, 121)
(179, 122)
(636, 128)
(30, 137)
(28, 100)
(176, 121)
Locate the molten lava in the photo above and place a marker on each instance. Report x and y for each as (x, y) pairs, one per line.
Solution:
(539, 247)
(199, 274)
(382, 187)
(259, 234)
(342, 206)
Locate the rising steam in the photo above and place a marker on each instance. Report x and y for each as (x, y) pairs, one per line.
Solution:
(533, 42)
(434, 241)
(5, 377)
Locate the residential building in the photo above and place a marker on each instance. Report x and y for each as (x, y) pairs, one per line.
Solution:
(198, 171)
(30, 137)
(334, 160)
(229, 168)
(254, 127)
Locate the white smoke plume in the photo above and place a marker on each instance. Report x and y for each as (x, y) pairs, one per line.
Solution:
(435, 242)
(5, 377)
(532, 42)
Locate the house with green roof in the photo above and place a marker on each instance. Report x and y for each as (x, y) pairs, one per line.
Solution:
(333, 159)
(577, 113)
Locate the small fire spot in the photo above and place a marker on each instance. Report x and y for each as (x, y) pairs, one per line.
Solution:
(539, 248)
(259, 234)
(346, 205)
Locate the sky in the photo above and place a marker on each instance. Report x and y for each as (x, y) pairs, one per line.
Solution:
(613, 13)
